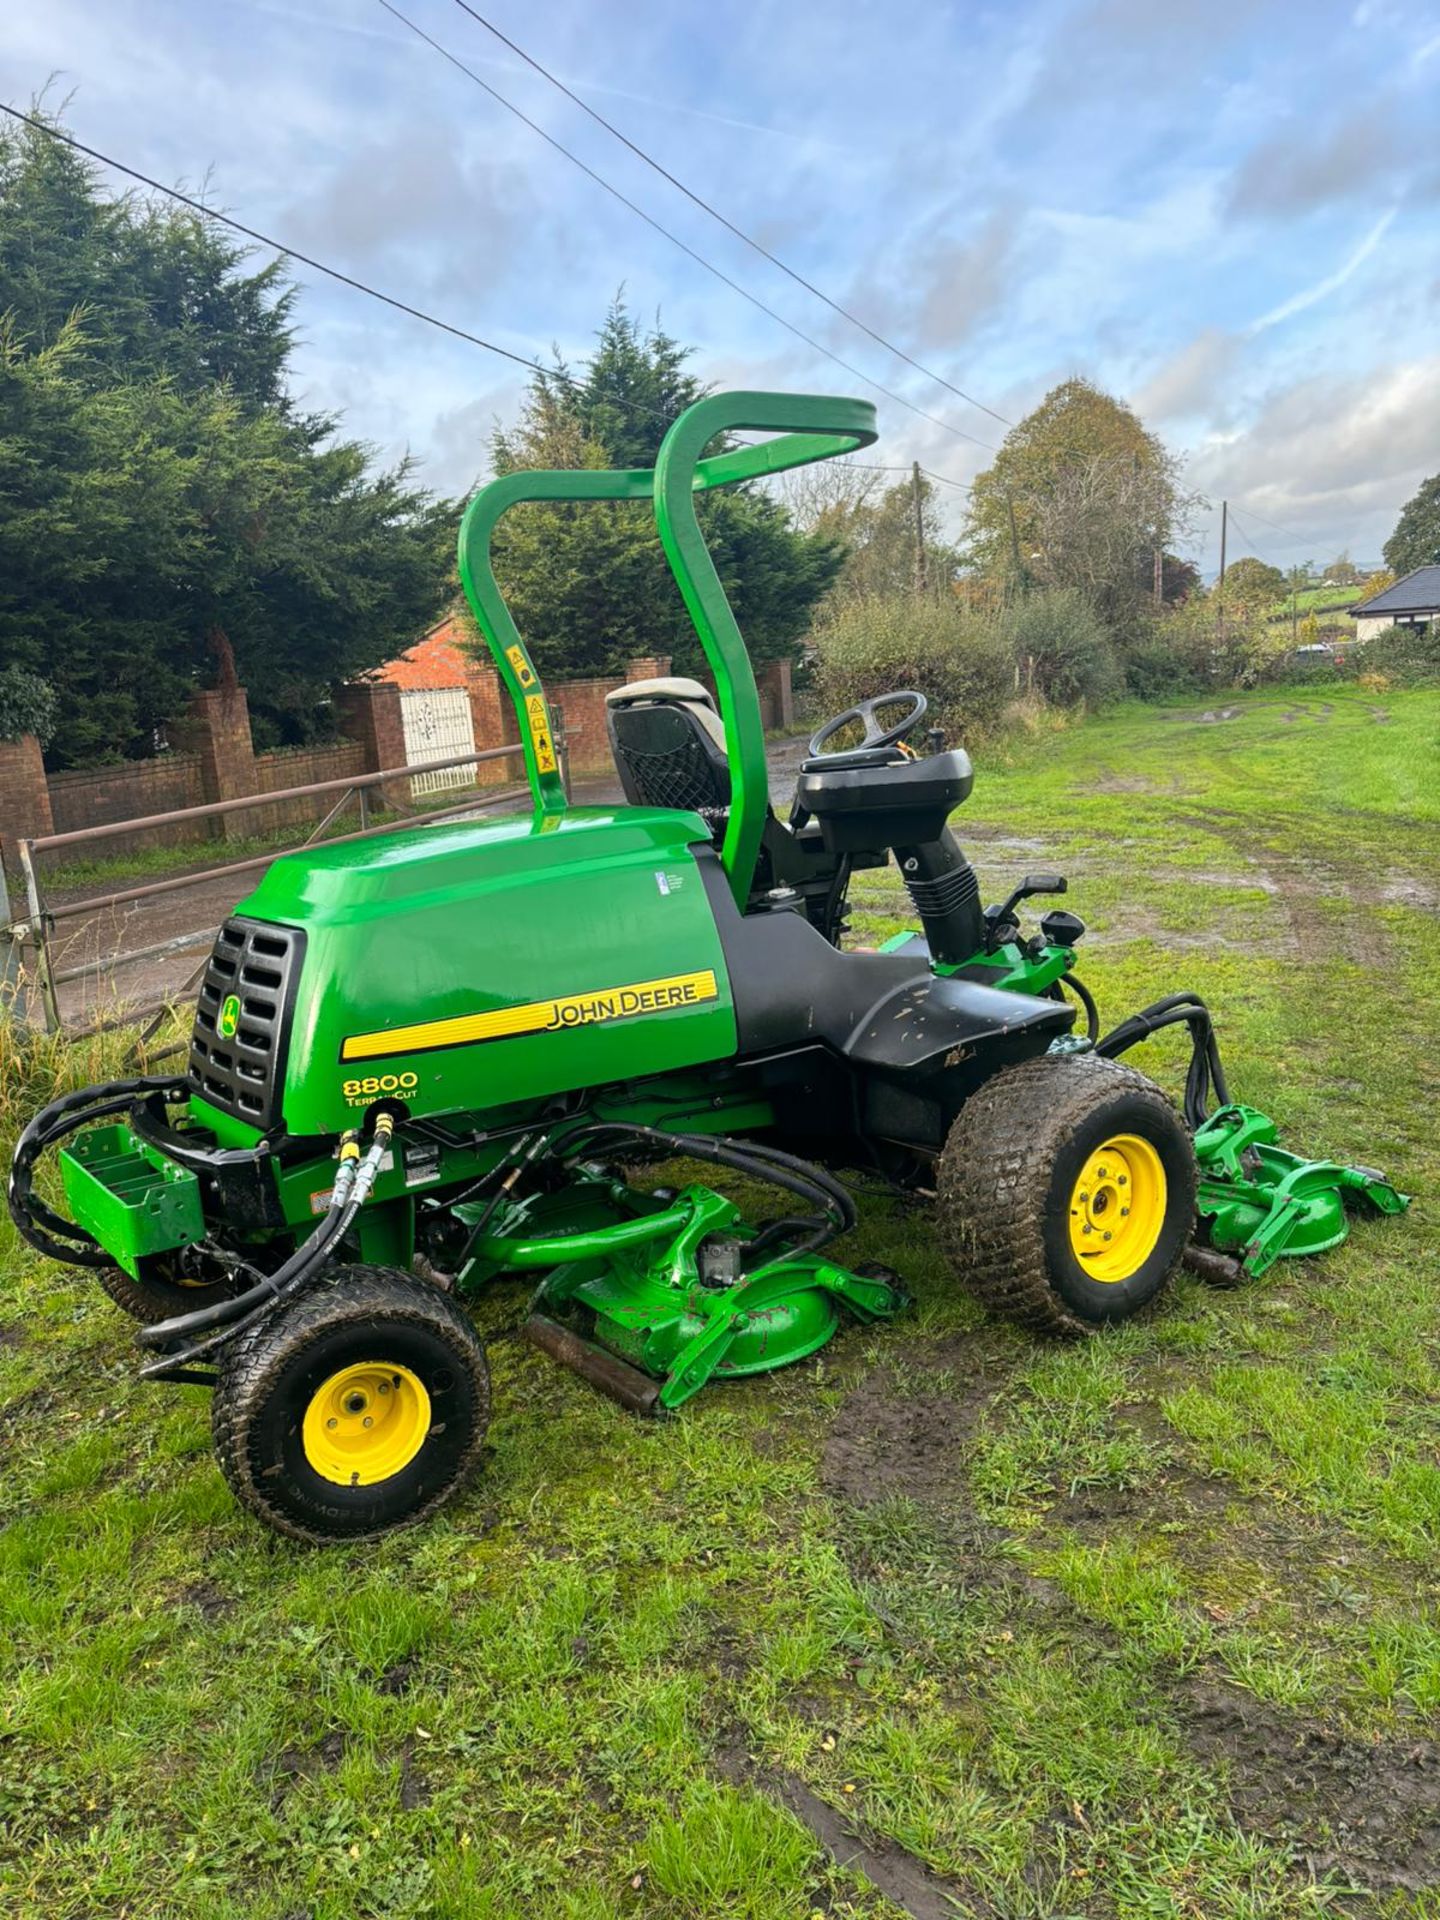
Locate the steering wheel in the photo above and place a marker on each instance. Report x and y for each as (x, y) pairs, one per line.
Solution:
(866, 713)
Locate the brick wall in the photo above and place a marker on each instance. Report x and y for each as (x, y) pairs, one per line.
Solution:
(370, 713)
(772, 684)
(303, 767)
(582, 705)
(492, 713)
(219, 761)
(94, 796)
(581, 702)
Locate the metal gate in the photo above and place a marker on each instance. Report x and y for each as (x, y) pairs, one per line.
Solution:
(438, 726)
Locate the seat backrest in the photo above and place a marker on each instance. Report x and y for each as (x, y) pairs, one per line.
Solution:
(669, 747)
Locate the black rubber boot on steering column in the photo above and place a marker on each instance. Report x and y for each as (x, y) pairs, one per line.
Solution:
(946, 893)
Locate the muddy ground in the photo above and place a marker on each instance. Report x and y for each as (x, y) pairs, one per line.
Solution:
(1363, 1812)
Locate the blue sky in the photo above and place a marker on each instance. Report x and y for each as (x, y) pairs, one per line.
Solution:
(1226, 213)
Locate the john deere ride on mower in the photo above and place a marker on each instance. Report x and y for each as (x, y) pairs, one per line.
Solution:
(426, 1057)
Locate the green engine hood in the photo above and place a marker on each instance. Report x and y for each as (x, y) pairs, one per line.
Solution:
(475, 965)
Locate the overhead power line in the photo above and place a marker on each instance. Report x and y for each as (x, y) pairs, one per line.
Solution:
(280, 246)
(1299, 538)
(869, 466)
(729, 225)
(699, 258)
(1249, 542)
(333, 273)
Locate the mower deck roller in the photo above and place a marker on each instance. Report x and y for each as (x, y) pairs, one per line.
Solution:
(438, 1060)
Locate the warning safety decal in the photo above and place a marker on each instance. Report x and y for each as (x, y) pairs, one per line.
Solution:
(539, 722)
(524, 672)
(538, 1016)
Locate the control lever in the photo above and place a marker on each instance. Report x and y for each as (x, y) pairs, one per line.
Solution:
(1001, 919)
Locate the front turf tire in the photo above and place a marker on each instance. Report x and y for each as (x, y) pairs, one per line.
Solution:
(359, 1408)
(1016, 1187)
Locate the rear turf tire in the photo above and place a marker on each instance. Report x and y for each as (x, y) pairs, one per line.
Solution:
(302, 1432)
(1015, 1185)
(149, 1301)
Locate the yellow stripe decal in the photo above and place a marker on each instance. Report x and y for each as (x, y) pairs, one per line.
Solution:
(539, 1016)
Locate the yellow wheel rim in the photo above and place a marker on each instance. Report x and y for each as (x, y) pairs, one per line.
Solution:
(365, 1423)
(1117, 1208)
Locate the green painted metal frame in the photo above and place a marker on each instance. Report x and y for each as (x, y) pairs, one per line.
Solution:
(634, 1263)
(810, 427)
(1263, 1204)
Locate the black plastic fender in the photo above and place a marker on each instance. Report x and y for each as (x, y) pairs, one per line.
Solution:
(885, 1013)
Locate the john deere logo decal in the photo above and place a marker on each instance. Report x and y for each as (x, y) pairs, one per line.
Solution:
(677, 990)
(229, 1017)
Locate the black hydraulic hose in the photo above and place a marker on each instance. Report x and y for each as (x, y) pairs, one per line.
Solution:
(316, 1245)
(748, 1158)
(1205, 1073)
(758, 1161)
(511, 1164)
(275, 1293)
(349, 1195)
(346, 1198)
(37, 1223)
(820, 1175)
(1087, 1000)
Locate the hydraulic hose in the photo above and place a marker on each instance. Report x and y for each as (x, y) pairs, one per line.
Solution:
(38, 1224)
(1205, 1073)
(1087, 1000)
(759, 1162)
(354, 1179)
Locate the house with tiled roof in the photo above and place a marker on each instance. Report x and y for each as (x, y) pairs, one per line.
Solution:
(1412, 602)
(437, 660)
(449, 705)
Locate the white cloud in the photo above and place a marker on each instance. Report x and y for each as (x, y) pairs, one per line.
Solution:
(1331, 459)
(1191, 382)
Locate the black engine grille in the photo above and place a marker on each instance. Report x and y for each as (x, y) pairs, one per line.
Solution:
(244, 1072)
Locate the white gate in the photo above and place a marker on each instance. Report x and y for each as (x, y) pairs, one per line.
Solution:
(438, 726)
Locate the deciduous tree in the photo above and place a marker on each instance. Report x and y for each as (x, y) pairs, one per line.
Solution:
(1252, 579)
(1416, 539)
(1080, 495)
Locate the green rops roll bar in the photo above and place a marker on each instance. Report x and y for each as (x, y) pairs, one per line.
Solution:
(811, 427)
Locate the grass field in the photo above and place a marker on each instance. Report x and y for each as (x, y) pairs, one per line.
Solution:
(1318, 600)
(1148, 1626)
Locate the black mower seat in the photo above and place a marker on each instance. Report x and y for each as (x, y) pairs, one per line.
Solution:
(888, 1011)
(669, 747)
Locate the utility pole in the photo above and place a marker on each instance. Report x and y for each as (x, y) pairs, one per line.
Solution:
(1294, 606)
(1159, 578)
(919, 527)
(1220, 583)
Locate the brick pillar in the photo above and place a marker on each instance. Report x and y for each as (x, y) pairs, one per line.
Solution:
(653, 667)
(777, 699)
(369, 711)
(217, 730)
(24, 797)
(492, 715)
